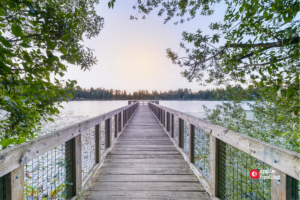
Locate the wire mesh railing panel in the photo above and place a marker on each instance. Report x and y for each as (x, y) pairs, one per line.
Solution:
(2, 188)
(234, 179)
(186, 133)
(112, 127)
(45, 176)
(295, 189)
(175, 135)
(69, 169)
(88, 151)
(102, 133)
(201, 149)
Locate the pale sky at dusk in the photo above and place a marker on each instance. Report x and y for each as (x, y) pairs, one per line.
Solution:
(132, 54)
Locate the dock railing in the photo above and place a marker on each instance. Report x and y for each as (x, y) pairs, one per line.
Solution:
(59, 165)
(222, 159)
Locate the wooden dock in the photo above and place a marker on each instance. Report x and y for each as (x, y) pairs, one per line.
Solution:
(139, 152)
(144, 164)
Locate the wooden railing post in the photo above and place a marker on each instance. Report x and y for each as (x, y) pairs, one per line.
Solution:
(74, 150)
(158, 114)
(172, 125)
(15, 184)
(192, 143)
(164, 118)
(279, 186)
(213, 168)
(120, 122)
(180, 132)
(116, 125)
(107, 133)
(127, 115)
(168, 122)
(98, 143)
(123, 118)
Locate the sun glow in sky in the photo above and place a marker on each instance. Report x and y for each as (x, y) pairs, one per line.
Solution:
(132, 54)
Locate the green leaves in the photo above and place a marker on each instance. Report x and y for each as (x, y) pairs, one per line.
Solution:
(7, 142)
(26, 90)
(16, 30)
(50, 44)
(63, 50)
(5, 42)
(50, 119)
(65, 37)
(111, 4)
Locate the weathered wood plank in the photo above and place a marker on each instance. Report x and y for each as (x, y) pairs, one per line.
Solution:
(278, 186)
(120, 152)
(15, 184)
(143, 142)
(144, 171)
(145, 195)
(144, 165)
(164, 156)
(144, 160)
(143, 178)
(138, 148)
(191, 143)
(213, 167)
(144, 139)
(145, 186)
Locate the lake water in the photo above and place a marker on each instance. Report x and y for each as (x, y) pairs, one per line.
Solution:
(77, 111)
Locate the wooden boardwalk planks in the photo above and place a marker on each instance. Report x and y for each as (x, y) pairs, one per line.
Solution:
(144, 164)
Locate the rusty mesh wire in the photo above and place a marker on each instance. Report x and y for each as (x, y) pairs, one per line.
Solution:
(234, 179)
(88, 151)
(45, 176)
(201, 147)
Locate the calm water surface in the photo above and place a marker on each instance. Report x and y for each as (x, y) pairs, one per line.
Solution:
(77, 111)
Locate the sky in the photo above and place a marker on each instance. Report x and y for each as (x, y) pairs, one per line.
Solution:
(131, 54)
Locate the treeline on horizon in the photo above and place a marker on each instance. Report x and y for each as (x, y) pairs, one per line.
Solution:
(180, 94)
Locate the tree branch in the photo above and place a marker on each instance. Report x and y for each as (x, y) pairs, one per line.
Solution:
(262, 64)
(280, 43)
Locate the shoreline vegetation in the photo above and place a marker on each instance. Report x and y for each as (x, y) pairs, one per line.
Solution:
(218, 94)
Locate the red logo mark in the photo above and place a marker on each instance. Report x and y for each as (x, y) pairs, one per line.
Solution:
(254, 174)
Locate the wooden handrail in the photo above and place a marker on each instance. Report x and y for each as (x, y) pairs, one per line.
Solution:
(16, 156)
(12, 159)
(283, 161)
